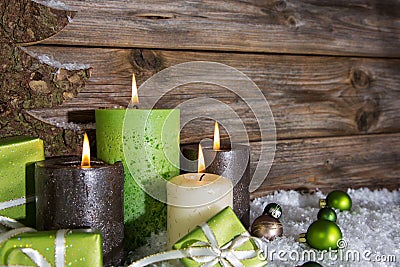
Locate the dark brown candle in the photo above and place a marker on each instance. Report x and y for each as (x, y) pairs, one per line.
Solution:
(71, 196)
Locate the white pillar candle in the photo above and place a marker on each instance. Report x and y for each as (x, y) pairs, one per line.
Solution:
(193, 198)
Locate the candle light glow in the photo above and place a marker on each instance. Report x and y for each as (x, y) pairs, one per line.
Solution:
(85, 163)
(135, 97)
(216, 145)
(201, 166)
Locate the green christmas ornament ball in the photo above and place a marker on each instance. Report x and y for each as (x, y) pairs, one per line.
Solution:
(323, 235)
(339, 200)
(311, 264)
(327, 214)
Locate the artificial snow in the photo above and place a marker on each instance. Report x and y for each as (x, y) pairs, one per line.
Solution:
(49, 60)
(53, 4)
(371, 231)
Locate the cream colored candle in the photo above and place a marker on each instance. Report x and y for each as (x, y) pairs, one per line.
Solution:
(193, 198)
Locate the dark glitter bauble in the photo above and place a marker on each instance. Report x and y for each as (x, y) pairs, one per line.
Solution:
(274, 210)
(327, 214)
(267, 226)
(311, 264)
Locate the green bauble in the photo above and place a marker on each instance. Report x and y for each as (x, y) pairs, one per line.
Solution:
(311, 264)
(323, 235)
(327, 214)
(339, 200)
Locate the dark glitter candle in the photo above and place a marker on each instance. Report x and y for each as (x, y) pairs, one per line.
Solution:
(73, 197)
(232, 162)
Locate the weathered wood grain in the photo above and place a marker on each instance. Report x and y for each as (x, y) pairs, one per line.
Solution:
(333, 163)
(362, 27)
(308, 96)
(329, 70)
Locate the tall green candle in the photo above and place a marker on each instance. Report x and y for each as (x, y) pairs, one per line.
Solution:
(147, 143)
(17, 157)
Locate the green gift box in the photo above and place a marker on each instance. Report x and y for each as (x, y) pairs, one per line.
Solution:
(226, 227)
(17, 157)
(80, 248)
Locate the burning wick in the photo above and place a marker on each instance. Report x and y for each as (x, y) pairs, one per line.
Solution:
(201, 177)
(135, 98)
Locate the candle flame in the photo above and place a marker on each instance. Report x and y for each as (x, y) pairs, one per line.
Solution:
(216, 145)
(201, 166)
(135, 97)
(85, 152)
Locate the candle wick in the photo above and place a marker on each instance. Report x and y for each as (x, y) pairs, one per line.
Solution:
(201, 177)
(130, 106)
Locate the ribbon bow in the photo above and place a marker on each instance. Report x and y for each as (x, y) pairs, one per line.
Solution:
(209, 253)
(9, 223)
(19, 228)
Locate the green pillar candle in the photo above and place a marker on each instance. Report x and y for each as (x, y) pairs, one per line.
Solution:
(147, 143)
(17, 157)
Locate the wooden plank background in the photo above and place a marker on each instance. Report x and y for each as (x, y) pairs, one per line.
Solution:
(368, 28)
(329, 70)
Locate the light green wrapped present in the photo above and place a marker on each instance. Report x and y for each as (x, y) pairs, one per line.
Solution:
(222, 241)
(76, 248)
(17, 157)
(224, 233)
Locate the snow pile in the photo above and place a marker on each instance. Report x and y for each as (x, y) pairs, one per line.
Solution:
(371, 230)
(53, 4)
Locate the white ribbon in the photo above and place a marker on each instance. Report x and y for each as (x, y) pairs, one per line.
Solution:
(19, 228)
(209, 253)
(14, 232)
(60, 248)
(16, 202)
(33, 254)
(36, 257)
(8, 222)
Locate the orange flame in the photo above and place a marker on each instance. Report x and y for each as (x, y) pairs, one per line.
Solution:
(135, 97)
(85, 152)
(201, 166)
(216, 145)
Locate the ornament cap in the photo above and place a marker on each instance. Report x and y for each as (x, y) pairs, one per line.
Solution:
(273, 209)
(322, 203)
(302, 238)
